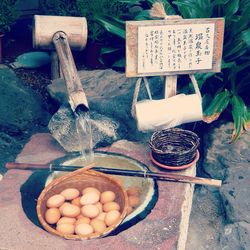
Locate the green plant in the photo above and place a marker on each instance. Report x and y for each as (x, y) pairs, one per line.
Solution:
(8, 15)
(58, 7)
(225, 91)
(91, 9)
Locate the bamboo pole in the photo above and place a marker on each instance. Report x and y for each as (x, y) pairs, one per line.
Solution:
(161, 176)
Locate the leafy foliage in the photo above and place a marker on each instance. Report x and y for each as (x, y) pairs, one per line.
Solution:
(8, 15)
(225, 91)
(222, 92)
(90, 9)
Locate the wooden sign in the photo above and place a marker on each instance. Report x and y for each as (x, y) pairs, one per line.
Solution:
(172, 47)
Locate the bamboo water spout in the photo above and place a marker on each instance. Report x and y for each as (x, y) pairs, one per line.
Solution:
(62, 33)
(76, 95)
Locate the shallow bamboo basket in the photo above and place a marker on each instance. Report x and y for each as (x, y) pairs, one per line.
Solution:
(81, 179)
(174, 146)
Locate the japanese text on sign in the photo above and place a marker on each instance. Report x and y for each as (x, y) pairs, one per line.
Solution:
(175, 47)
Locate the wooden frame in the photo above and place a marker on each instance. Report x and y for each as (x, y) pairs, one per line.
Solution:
(132, 44)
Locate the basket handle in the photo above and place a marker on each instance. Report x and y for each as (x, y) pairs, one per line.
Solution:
(136, 93)
(71, 174)
(195, 84)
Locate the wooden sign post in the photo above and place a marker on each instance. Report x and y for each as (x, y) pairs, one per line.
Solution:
(173, 46)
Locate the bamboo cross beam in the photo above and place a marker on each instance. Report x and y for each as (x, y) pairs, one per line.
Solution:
(161, 176)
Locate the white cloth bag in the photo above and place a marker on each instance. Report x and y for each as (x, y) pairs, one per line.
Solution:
(166, 113)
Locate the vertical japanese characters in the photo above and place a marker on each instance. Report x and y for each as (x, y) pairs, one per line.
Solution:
(177, 47)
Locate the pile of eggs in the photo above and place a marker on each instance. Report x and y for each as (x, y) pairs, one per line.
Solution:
(86, 212)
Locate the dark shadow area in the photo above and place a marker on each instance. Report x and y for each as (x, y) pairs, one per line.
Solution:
(30, 192)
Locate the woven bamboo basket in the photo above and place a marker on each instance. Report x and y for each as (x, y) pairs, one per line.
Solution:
(174, 146)
(81, 179)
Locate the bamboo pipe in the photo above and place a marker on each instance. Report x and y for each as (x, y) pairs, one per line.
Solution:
(161, 176)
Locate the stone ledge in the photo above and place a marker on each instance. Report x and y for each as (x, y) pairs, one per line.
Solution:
(164, 228)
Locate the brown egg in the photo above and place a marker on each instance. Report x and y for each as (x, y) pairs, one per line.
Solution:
(70, 211)
(99, 205)
(111, 206)
(90, 189)
(55, 201)
(76, 202)
(101, 216)
(133, 191)
(90, 211)
(52, 215)
(107, 196)
(133, 201)
(66, 220)
(98, 225)
(84, 229)
(62, 206)
(65, 228)
(70, 193)
(112, 217)
(90, 198)
(82, 220)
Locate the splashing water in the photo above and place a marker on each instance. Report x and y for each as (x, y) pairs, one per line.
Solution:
(83, 128)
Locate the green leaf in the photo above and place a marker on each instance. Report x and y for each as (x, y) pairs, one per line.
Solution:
(184, 9)
(226, 65)
(143, 15)
(238, 108)
(108, 50)
(245, 7)
(117, 20)
(169, 9)
(241, 24)
(245, 35)
(238, 55)
(236, 48)
(112, 27)
(120, 63)
(219, 2)
(243, 84)
(202, 77)
(231, 7)
(216, 107)
(151, 2)
(246, 119)
(193, 9)
(130, 1)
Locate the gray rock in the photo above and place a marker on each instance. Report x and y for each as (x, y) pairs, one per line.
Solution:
(244, 233)
(230, 162)
(20, 106)
(110, 94)
(206, 220)
(235, 193)
(63, 128)
(220, 154)
(21, 112)
(9, 148)
(235, 236)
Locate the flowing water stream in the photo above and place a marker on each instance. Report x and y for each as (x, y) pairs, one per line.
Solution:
(83, 128)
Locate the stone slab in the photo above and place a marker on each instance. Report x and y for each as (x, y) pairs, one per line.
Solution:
(164, 228)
